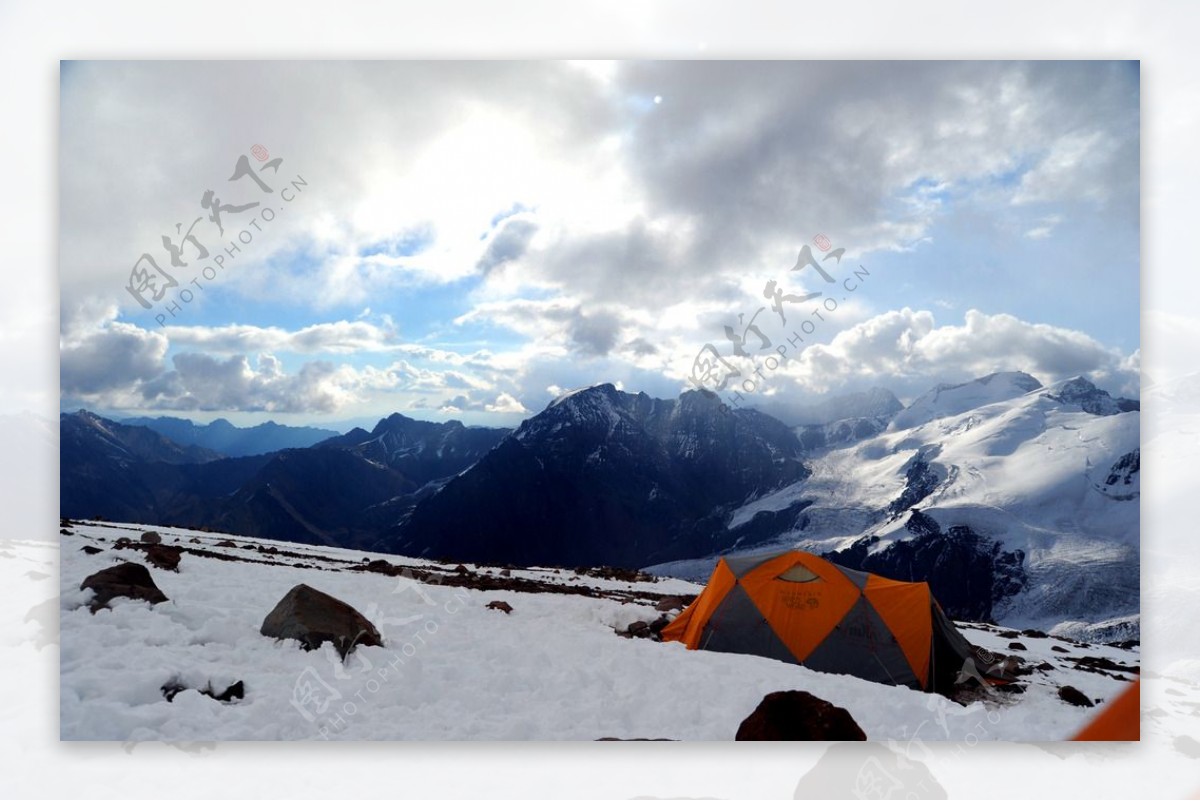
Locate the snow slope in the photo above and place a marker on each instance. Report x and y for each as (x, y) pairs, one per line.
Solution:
(450, 669)
(1030, 471)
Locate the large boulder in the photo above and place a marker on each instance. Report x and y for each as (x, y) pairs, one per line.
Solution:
(797, 715)
(313, 618)
(127, 580)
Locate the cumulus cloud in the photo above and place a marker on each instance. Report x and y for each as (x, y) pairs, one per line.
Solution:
(503, 403)
(587, 332)
(907, 351)
(599, 231)
(336, 337)
(98, 354)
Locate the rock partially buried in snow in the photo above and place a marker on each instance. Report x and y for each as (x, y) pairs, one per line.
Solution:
(151, 537)
(164, 556)
(1073, 696)
(670, 603)
(234, 692)
(126, 580)
(797, 715)
(313, 618)
(503, 606)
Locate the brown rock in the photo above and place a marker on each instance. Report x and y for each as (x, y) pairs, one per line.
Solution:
(226, 544)
(501, 605)
(151, 537)
(1059, 649)
(638, 628)
(670, 603)
(91, 550)
(383, 566)
(126, 580)
(313, 618)
(797, 715)
(164, 556)
(1073, 696)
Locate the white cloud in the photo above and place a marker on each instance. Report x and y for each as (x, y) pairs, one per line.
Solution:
(907, 351)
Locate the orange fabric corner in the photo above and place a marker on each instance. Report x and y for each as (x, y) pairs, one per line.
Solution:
(688, 626)
(800, 614)
(1119, 719)
(905, 607)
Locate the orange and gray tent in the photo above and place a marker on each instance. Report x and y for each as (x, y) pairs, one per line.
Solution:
(800, 608)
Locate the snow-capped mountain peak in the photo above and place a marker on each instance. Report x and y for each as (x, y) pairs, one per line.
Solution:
(946, 400)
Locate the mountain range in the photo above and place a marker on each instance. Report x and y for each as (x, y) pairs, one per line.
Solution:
(227, 439)
(1018, 502)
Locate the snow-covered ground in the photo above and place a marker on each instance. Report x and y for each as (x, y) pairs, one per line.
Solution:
(451, 669)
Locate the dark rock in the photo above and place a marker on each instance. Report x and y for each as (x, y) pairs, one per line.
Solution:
(1008, 635)
(66, 533)
(164, 556)
(194, 540)
(1099, 664)
(237, 691)
(313, 618)
(921, 479)
(248, 547)
(226, 544)
(151, 537)
(1016, 646)
(503, 606)
(126, 580)
(670, 603)
(1126, 645)
(1034, 634)
(639, 628)
(382, 566)
(506, 572)
(797, 715)
(657, 625)
(1059, 649)
(121, 543)
(461, 569)
(91, 550)
(1073, 696)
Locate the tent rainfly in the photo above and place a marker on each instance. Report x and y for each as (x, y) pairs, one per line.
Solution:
(800, 608)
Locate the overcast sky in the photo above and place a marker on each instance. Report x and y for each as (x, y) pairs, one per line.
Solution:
(468, 240)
